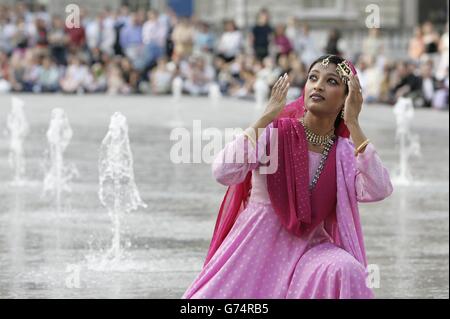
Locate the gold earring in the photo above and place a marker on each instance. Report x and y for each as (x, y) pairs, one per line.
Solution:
(342, 113)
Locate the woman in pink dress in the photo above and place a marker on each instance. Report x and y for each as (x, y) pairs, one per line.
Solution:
(289, 224)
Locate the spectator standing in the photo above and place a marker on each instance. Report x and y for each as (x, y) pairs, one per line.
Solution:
(372, 47)
(305, 46)
(282, 42)
(121, 20)
(333, 43)
(77, 37)
(203, 39)
(231, 42)
(154, 33)
(442, 69)
(431, 42)
(183, 38)
(261, 35)
(131, 41)
(429, 83)
(416, 47)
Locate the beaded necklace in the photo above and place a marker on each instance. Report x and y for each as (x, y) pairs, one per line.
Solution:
(313, 138)
(326, 141)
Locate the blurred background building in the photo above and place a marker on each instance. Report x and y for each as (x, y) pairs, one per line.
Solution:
(398, 17)
(396, 14)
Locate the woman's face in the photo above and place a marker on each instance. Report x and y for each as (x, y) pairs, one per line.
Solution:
(324, 91)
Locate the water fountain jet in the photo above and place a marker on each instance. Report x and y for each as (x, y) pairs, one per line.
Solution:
(117, 189)
(58, 174)
(408, 142)
(17, 129)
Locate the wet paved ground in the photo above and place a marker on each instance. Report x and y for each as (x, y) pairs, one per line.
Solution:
(44, 253)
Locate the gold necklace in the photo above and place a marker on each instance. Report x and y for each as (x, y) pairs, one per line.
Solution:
(316, 139)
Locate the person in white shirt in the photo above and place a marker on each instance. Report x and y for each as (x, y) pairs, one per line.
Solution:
(154, 34)
(305, 46)
(231, 41)
(100, 33)
(8, 31)
(442, 68)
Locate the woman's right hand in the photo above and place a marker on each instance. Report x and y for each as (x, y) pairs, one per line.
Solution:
(277, 99)
(274, 107)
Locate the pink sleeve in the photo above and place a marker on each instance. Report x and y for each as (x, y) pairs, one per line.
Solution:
(238, 157)
(372, 178)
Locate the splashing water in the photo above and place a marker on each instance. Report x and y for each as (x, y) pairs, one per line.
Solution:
(177, 92)
(59, 175)
(214, 93)
(117, 189)
(177, 88)
(261, 91)
(409, 144)
(17, 129)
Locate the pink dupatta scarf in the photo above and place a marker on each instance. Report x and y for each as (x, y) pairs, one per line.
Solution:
(299, 209)
(343, 226)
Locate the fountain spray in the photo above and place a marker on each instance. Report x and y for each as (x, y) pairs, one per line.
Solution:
(17, 129)
(408, 142)
(117, 188)
(59, 175)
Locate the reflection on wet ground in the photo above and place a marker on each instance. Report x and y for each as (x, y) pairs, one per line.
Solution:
(50, 254)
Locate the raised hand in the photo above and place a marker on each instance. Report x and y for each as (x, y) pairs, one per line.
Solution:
(354, 100)
(277, 99)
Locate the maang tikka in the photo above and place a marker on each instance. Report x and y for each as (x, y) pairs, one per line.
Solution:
(325, 62)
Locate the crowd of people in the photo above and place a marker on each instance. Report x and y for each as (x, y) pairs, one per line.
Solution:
(124, 52)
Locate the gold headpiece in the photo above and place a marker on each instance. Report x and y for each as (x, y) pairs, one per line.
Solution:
(325, 62)
(344, 71)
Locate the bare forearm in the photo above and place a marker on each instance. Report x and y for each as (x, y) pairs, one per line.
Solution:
(356, 133)
(261, 124)
(256, 129)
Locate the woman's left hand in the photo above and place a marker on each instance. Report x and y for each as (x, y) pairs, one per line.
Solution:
(354, 100)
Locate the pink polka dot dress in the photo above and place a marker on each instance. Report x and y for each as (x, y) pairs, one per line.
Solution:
(260, 259)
